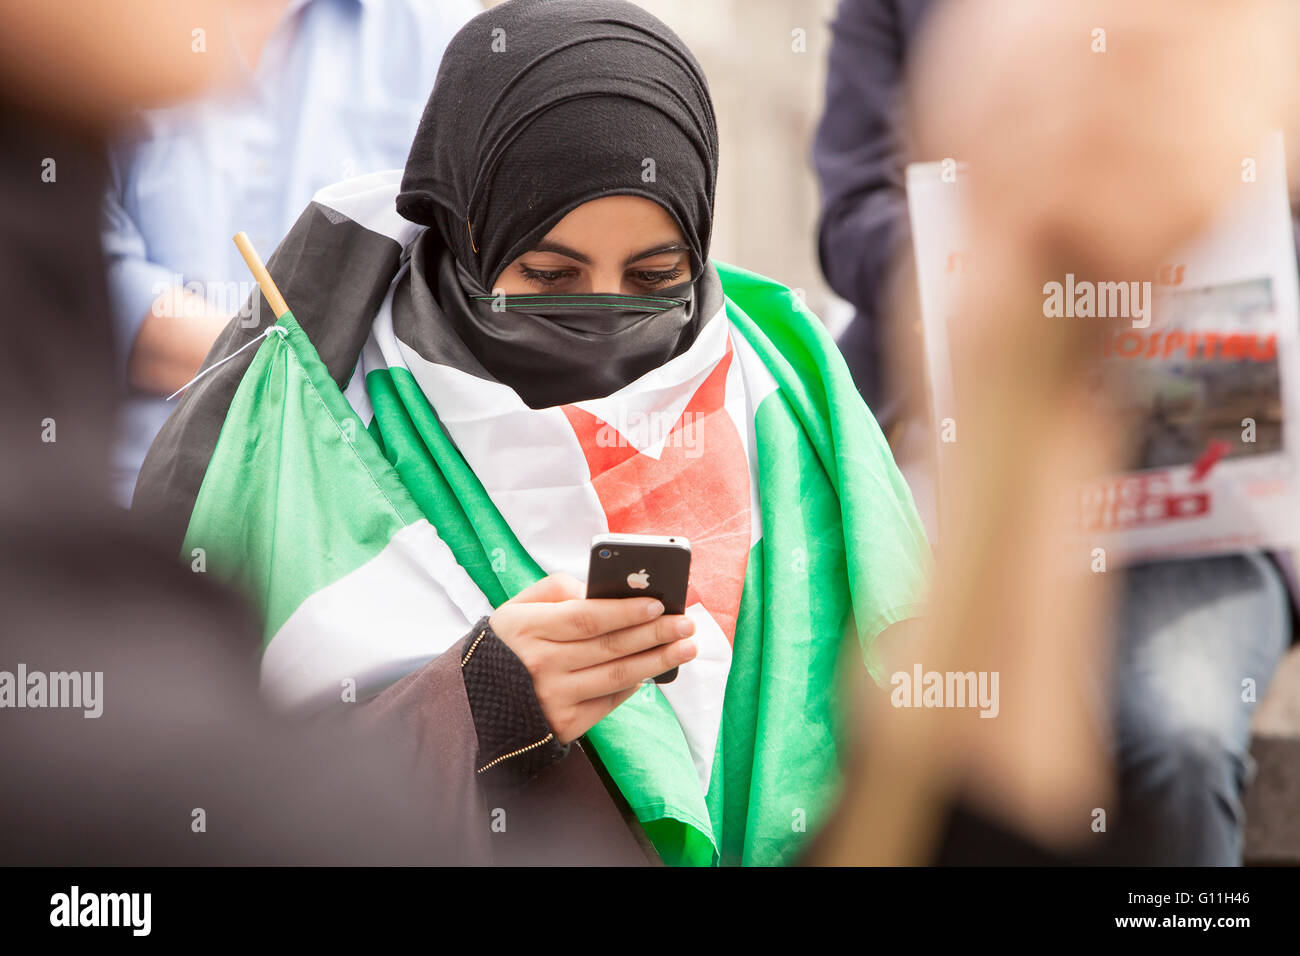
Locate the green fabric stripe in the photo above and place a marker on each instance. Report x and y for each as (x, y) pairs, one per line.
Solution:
(288, 486)
(888, 557)
(778, 773)
(580, 301)
(447, 491)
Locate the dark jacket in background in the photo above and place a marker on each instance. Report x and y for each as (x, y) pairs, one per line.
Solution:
(859, 156)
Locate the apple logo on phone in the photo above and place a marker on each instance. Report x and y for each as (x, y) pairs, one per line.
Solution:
(638, 579)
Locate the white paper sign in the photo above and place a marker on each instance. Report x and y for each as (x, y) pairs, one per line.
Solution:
(1211, 346)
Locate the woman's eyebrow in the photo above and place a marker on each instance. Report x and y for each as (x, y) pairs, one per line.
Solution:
(549, 245)
(656, 251)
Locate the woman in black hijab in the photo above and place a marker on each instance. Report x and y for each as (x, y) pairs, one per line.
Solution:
(538, 109)
(543, 350)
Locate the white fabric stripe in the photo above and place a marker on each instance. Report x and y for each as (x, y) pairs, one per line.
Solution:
(697, 694)
(357, 395)
(743, 398)
(370, 201)
(397, 611)
(530, 464)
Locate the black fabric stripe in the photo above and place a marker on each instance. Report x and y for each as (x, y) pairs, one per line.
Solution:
(334, 274)
(418, 319)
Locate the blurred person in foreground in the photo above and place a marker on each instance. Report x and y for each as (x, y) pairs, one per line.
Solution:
(1186, 90)
(516, 343)
(1189, 630)
(302, 93)
(159, 767)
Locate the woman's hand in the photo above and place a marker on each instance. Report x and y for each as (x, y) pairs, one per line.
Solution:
(587, 656)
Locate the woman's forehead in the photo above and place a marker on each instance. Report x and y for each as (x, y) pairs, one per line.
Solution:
(614, 227)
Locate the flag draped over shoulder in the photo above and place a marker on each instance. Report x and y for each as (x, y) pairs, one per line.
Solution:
(375, 499)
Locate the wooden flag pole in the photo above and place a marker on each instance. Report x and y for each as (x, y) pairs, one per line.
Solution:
(264, 280)
(273, 297)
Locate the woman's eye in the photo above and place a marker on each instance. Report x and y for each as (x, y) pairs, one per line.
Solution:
(656, 277)
(545, 276)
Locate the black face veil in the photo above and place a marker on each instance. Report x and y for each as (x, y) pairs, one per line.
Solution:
(543, 105)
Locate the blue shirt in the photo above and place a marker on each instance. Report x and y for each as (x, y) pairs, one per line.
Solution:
(338, 92)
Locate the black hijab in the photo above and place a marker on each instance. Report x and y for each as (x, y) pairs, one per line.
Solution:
(543, 105)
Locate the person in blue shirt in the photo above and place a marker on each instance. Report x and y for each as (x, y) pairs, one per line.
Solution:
(307, 93)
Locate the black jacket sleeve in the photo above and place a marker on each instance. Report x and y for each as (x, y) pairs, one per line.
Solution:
(515, 743)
